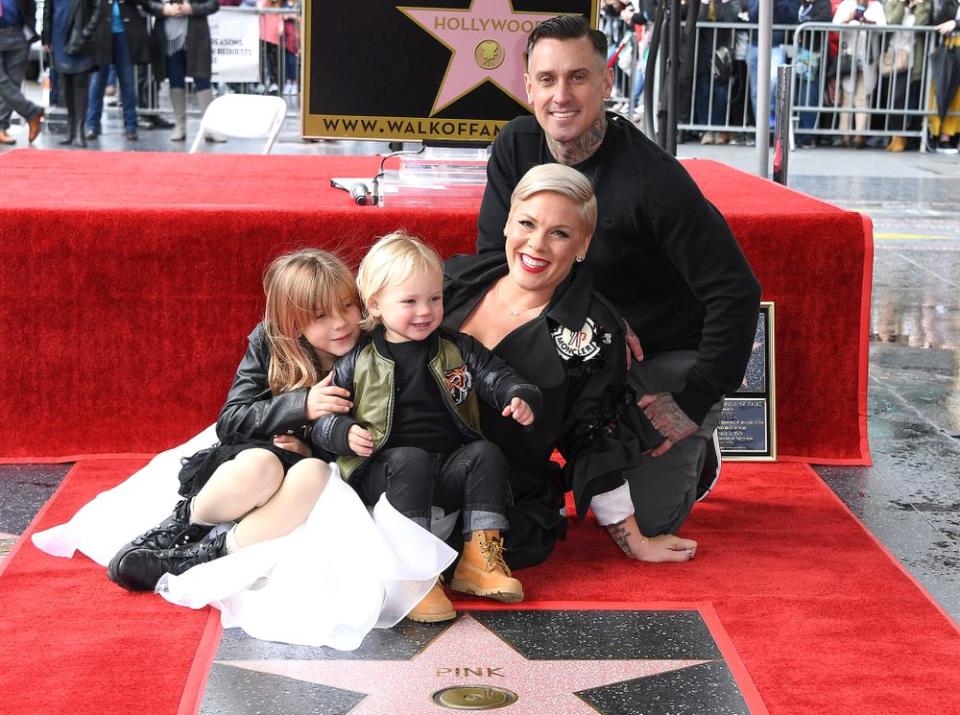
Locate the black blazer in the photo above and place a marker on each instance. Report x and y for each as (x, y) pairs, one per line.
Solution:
(199, 54)
(135, 28)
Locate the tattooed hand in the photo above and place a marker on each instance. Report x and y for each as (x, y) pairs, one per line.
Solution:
(583, 147)
(635, 545)
(668, 419)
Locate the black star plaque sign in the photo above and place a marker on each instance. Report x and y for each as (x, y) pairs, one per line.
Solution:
(428, 70)
(538, 659)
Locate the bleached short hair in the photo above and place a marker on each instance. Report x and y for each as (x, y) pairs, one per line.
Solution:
(563, 180)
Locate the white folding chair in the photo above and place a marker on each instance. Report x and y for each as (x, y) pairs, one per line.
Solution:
(243, 116)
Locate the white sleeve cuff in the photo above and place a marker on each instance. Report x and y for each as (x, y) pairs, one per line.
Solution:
(614, 506)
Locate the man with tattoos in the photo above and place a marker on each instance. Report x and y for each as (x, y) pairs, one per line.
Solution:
(661, 253)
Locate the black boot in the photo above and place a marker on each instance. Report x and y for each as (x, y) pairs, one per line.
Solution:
(140, 569)
(80, 139)
(71, 133)
(175, 530)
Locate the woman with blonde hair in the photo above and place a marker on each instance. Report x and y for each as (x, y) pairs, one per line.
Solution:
(535, 307)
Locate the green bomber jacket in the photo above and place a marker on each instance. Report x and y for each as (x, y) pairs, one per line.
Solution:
(463, 368)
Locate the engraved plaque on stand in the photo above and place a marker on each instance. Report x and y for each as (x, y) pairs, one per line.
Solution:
(748, 427)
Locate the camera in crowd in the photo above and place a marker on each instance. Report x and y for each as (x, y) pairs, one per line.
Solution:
(858, 12)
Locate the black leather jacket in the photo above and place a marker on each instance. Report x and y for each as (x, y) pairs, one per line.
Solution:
(86, 19)
(252, 411)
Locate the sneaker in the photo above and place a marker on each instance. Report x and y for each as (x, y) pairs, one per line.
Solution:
(141, 569)
(175, 530)
(710, 472)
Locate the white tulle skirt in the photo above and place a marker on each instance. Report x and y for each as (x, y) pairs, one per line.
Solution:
(342, 572)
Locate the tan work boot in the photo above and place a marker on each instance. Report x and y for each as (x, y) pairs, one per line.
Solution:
(434, 607)
(897, 144)
(482, 570)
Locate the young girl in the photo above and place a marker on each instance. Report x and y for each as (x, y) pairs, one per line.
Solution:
(261, 474)
(296, 557)
(414, 433)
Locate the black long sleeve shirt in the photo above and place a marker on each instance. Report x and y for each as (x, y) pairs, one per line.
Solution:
(662, 253)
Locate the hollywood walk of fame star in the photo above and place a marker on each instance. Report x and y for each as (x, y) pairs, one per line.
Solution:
(487, 41)
(406, 687)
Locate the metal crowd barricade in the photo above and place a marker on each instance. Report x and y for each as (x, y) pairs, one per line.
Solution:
(898, 105)
(728, 100)
(149, 100)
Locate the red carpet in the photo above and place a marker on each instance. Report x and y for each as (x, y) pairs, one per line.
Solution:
(75, 643)
(129, 282)
(821, 616)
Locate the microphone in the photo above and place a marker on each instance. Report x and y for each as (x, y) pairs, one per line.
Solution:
(360, 194)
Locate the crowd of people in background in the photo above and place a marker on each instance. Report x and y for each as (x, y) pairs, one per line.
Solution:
(850, 70)
(117, 52)
(98, 48)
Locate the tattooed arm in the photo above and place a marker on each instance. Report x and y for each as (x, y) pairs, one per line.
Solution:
(667, 417)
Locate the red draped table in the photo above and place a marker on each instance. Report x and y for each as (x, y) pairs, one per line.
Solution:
(129, 282)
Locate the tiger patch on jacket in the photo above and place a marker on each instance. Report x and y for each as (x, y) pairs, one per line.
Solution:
(459, 383)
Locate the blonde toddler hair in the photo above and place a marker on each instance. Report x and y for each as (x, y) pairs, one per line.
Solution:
(390, 261)
(299, 286)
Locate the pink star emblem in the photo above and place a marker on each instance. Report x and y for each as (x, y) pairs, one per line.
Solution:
(406, 687)
(487, 41)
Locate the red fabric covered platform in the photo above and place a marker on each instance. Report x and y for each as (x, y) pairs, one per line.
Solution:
(129, 281)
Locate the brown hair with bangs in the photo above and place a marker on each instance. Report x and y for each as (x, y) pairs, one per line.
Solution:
(299, 286)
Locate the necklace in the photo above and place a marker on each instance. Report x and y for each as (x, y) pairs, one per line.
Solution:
(516, 313)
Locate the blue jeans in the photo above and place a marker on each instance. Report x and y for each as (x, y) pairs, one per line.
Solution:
(777, 57)
(809, 86)
(177, 73)
(128, 87)
(290, 66)
(718, 113)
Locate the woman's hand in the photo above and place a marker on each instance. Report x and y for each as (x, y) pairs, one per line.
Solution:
(186, 8)
(325, 398)
(667, 418)
(520, 411)
(360, 441)
(945, 28)
(171, 9)
(635, 545)
(292, 444)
